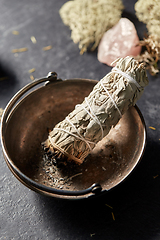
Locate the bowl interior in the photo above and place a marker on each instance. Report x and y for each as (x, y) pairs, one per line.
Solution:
(35, 115)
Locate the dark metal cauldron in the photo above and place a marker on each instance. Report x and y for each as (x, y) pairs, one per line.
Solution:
(33, 111)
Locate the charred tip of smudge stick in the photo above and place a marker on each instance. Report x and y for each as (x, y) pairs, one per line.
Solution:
(57, 157)
(60, 156)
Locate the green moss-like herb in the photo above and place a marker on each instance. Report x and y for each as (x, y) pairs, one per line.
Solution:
(1, 112)
(147, 12)
(90, 19)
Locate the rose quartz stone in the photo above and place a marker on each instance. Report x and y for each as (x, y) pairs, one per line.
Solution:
(119, 41)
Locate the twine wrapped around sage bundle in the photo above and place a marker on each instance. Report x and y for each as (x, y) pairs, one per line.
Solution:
(92, 120)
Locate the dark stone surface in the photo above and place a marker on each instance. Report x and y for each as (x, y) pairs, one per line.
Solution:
(25, 214)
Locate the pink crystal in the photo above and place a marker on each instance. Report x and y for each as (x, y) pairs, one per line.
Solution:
(119, 41)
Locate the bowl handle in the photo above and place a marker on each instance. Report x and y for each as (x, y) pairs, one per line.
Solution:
(51, 78)
(94, 188)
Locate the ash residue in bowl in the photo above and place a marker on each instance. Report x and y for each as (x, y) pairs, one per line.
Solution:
(56, 174)
(101, 166)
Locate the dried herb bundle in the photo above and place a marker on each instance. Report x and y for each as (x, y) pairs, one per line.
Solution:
(92, 120)
(90, 19)
(151, 55)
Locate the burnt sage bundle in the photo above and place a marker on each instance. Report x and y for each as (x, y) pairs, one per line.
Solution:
(76, 136)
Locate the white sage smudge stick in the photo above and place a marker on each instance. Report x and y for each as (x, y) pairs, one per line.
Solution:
(92, 120)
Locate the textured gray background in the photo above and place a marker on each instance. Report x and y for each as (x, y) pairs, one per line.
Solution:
(25, 214)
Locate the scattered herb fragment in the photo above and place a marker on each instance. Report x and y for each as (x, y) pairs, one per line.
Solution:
(113, 216)
(15, 32)
(19, 50)
(47, 48)
(76, 175)
(32, 70)
(109, 206)
(33, 39)
(92, 234)
(155, 176)
(32, 77)
(153, 128)
(3, 78)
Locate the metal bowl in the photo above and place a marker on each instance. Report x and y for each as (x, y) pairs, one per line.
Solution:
(32, 112)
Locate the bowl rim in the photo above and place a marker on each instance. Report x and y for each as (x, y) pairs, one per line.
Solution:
(95, 188)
